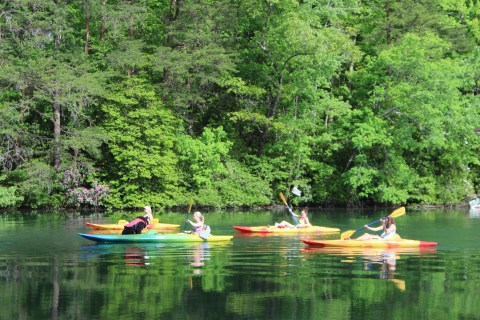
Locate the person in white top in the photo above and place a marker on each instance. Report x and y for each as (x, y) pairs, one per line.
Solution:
(389, 230)
(303, 221)
(148, 213)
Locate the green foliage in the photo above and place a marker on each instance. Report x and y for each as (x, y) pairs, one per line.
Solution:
(8, 197)
(38, 182)
(420, 105)
(204, 158)
(213, 178)
(142, 141)
(231, 102)
(238, 188)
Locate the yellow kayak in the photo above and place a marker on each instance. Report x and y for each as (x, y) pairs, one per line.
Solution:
(353, 243)
(155, 225)
(368, 251)
(294, 230)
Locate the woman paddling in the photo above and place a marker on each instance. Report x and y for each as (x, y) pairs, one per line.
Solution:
(198, 223)
(389, 230)
(303, 221)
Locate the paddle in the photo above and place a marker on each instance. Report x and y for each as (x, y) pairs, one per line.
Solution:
(400, 284)
(290, 210)
(395, 214)
(188, 213)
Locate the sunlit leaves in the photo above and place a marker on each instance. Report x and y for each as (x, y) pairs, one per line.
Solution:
(142, 139)
(206, 156)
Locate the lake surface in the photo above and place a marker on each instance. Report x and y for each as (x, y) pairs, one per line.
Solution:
(47, 271)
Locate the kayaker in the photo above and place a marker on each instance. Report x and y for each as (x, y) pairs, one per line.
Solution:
(198, 223)
(389, 230)
(139, 223)
(148, 213)
(303, 220)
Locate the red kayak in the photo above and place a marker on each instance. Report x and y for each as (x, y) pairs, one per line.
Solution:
(294, 230)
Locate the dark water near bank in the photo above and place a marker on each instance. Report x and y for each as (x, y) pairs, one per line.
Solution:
(47, 271)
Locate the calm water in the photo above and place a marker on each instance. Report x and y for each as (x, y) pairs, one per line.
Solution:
(47, 271)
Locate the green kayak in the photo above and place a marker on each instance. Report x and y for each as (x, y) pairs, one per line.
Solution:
(152, 237)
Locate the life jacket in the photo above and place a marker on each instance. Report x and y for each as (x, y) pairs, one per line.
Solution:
(388, 235)
(135, 226)
(136, 221)
(205, 233)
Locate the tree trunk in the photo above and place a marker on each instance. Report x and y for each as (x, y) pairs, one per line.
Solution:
(172, 16)
(102, 29)
(18, 140)
(174, 10)
(389, 29)
(270, 114)
(57, 133)
(131, 22)
(87, 28)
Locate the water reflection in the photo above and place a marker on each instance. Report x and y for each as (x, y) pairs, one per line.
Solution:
(48, 271)
(136, 256)
(192, 255)
(382, 262)
(130, 255)
(474, 213)
(198, 255)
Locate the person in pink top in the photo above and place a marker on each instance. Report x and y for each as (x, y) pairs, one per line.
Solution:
(198, 223)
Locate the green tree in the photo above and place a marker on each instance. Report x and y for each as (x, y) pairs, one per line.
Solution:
(295, 51)
(415, 150)
(51, 89)
(214, 178)
(143, 134)
(193, 61)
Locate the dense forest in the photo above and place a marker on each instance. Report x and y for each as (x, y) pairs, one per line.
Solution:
(123, 103)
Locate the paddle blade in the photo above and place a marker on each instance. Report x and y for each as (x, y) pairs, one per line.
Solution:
(122, 221)
(190, 207)
(296, 191)
(347, 234)
(400, 284)
(283, 199)
(397, 213)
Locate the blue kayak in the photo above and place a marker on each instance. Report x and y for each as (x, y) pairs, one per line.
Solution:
(153, 238)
